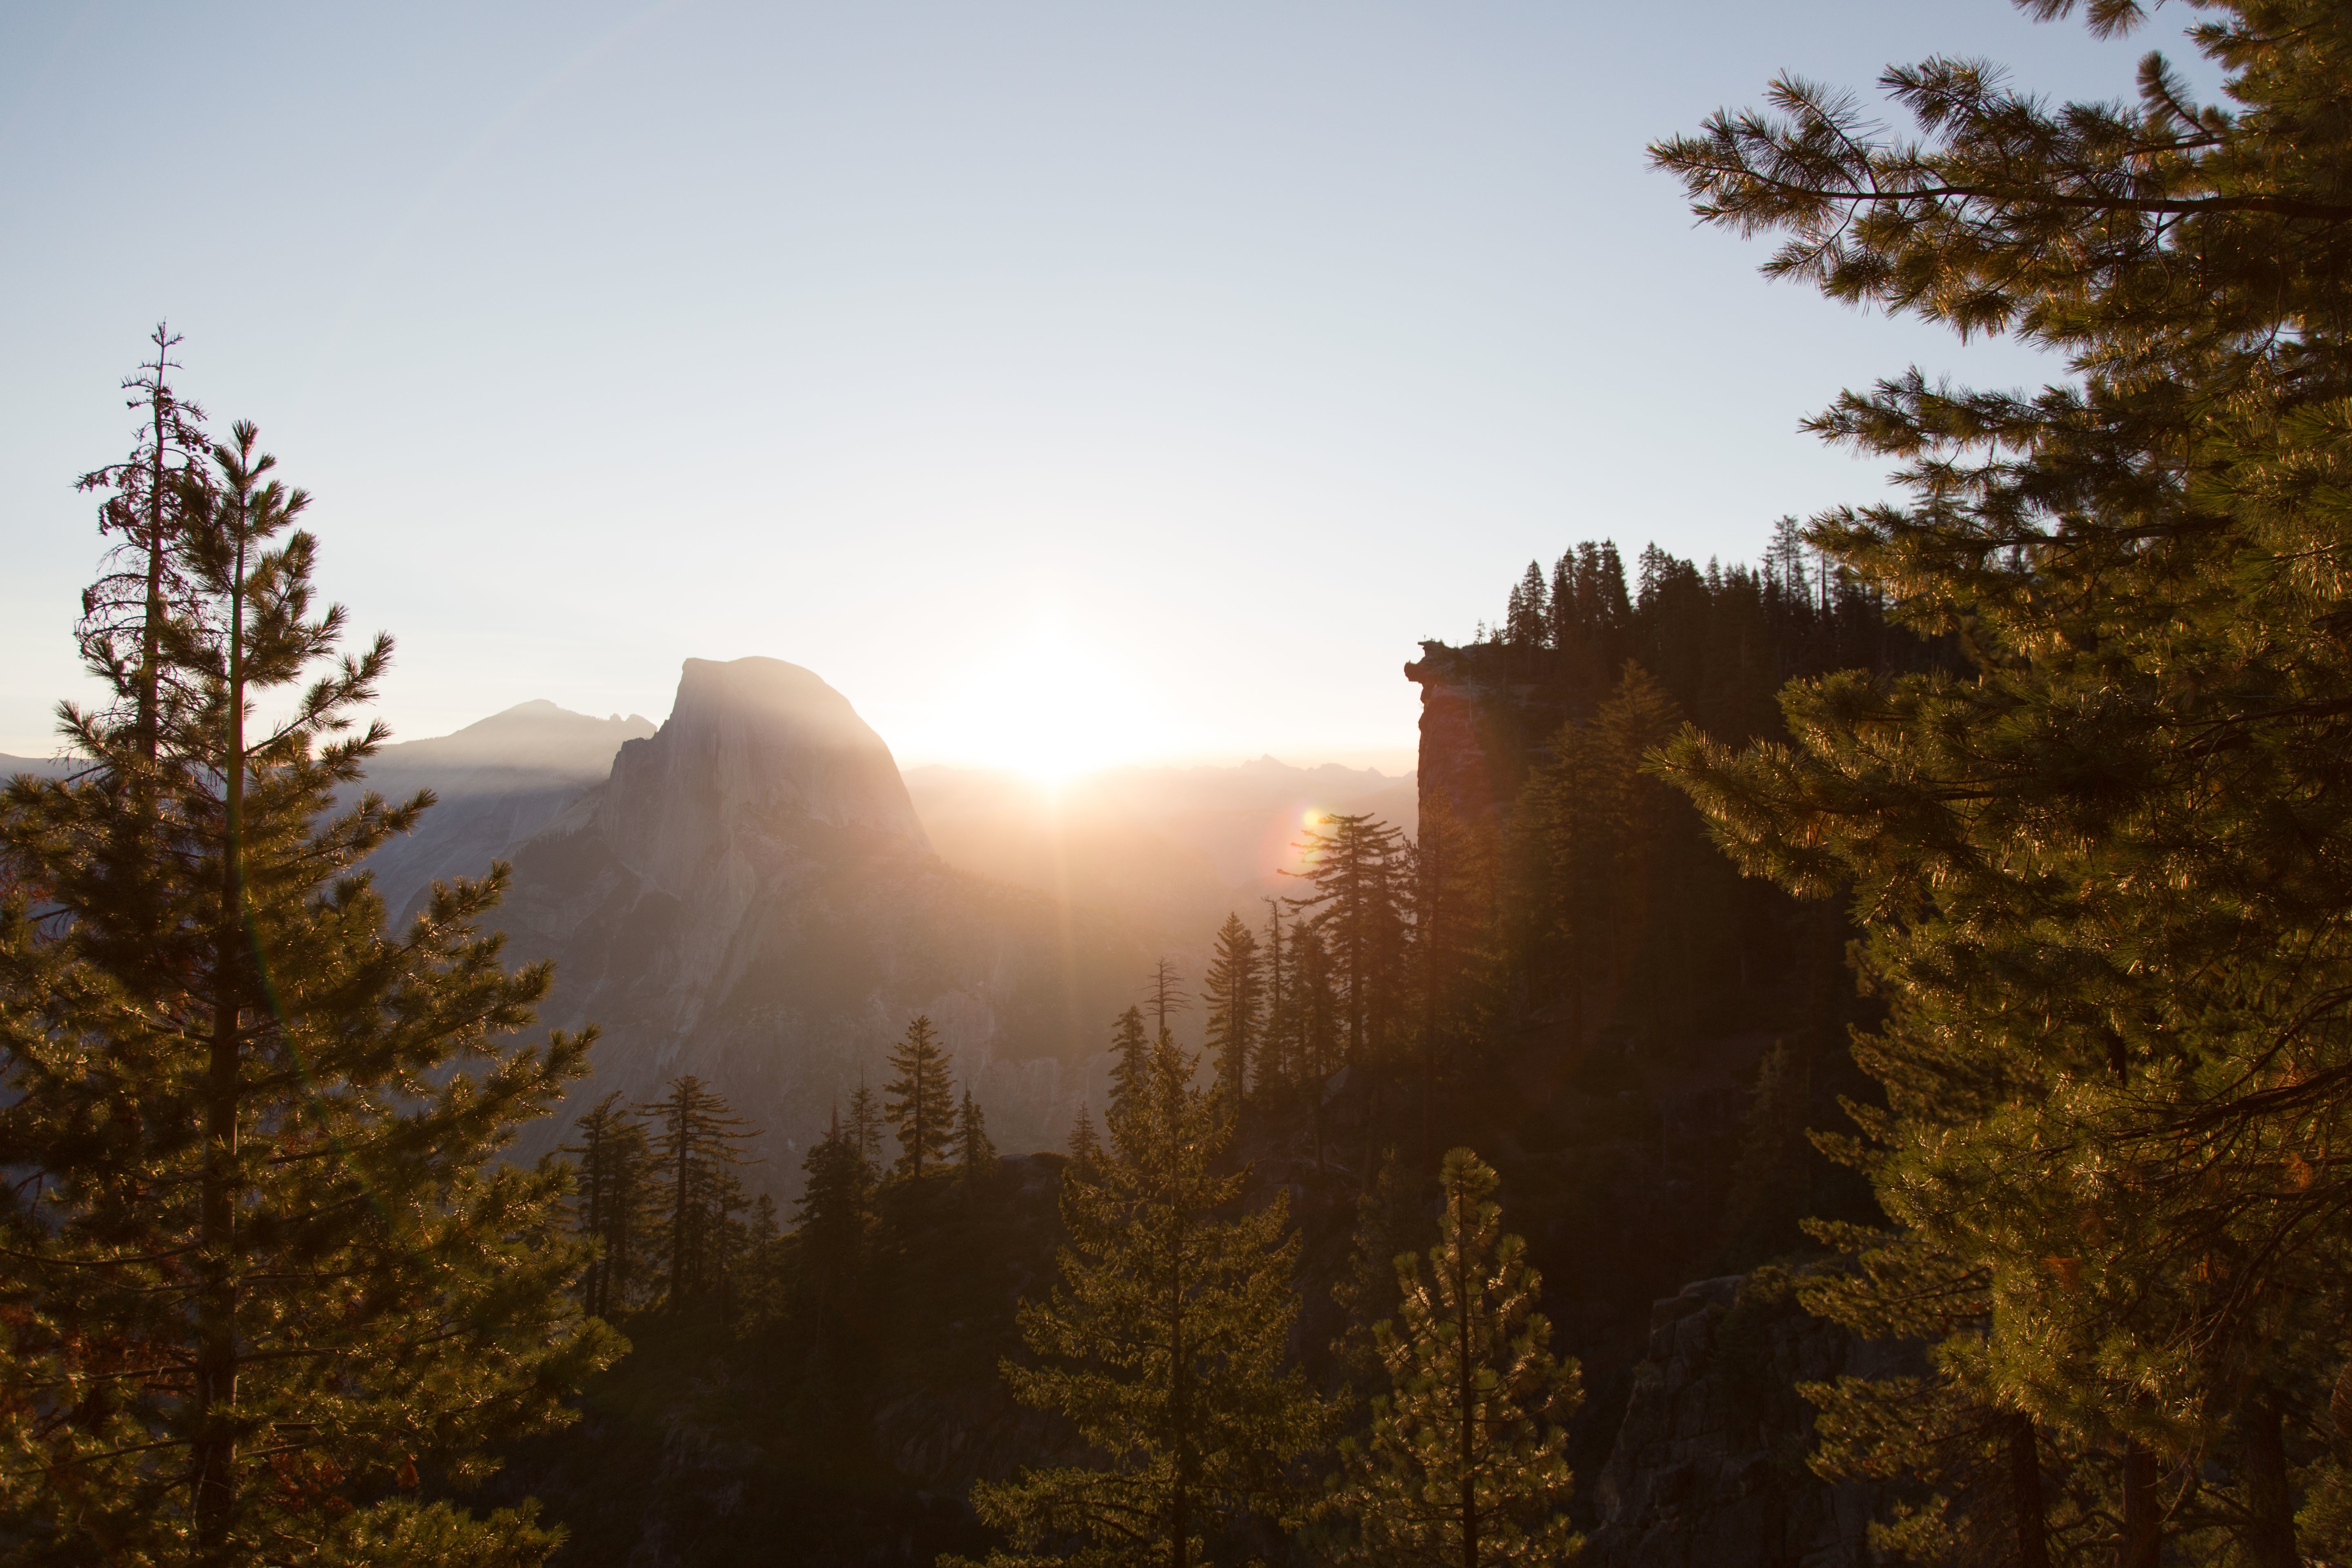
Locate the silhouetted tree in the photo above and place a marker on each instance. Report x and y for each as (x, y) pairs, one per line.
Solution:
(1354, 866)
(1164, 994)
(921, 1105)
(975, 1156)
(613, 1204)
(1230, 992)
(695, 1145)
(1130, 1058)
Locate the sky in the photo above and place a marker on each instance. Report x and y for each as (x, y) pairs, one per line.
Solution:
(1067, 384)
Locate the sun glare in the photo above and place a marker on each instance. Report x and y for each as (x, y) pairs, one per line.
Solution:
(1049, 707)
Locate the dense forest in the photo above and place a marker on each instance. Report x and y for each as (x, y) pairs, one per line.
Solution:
(1852, 1064)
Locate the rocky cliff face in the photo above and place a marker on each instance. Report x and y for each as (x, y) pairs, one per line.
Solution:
(1708, 1470)
(1480, 723)
(750, 898)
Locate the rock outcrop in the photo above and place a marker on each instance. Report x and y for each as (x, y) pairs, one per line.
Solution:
(1708, 1469)
(750, 898)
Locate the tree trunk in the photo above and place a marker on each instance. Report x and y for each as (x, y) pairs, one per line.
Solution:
(680, 1235)
(1180, 1511)
(214, 1459)
(1467, 1384)
(2143, 1538)
(2025, 1495)
(151, 635)
(2270, 1536)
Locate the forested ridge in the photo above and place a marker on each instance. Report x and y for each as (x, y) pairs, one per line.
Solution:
(1851, 1065)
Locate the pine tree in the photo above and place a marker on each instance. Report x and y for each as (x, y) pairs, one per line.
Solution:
(1390, 1220)
(2102, 933)
(257, 1137)
(155, 501)
(1314, 1009)
(835, 1216)
(1452, 882)
(1086, 1144)
(1131, 1065)
(921, 1105)
(1591, 824)
(1276, 1069)
(975, 1156)
(1354, 866)
(695, 1145)
(1162, 1345)
(1165, 993)
(1527, 621)
(612, 1203)
(864, 1128)
(1229, 991)
(1460, 1466)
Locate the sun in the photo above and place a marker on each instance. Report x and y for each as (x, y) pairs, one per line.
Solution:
(1049, 706)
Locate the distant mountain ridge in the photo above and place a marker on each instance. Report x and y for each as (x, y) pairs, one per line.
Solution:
(498, 780)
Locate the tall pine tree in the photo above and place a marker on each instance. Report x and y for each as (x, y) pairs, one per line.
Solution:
(1230, 989)
(696, 1144)
(975, 1153)
(921, 1105)
(613, 1204)
(1130, 1050)
(1355, 866)
(2102, 875)
(1465, 1463)
(267, 1267)
(1163, 1345)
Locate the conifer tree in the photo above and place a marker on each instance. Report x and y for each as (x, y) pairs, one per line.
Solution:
(1527, 621)
(1230, 989)
(975, 1156)
(612, 1203)
(695, 1147)
(1131, 1065)
(864, 1128)
(1452, 883)
(921, 1105)
(1165, 994)
(154, 504)
(1354, 867)
(1591, 824)
(1276, 1069)
(1461, 1464)
(267, 1267)
(1163, 1345)
(1390, 1220)
(835, 1214)
(2113, 954)
(1085, 1145)
(1314, 1009)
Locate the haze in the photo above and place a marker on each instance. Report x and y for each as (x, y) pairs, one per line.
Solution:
(1069, 384)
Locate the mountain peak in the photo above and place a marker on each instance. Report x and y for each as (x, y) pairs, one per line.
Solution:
(754, 750)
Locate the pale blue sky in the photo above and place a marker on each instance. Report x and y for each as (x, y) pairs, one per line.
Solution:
(1120, 380)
